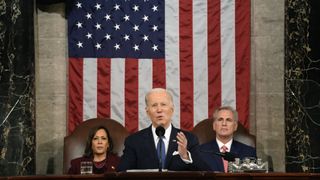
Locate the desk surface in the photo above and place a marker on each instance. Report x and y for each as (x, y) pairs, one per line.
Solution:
(177, 175)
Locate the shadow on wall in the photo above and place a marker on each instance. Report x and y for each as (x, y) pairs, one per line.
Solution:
(50, 166)
(50, 157)
(265, 157)
(53, 6)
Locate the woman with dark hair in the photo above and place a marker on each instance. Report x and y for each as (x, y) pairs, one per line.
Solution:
(98, 151)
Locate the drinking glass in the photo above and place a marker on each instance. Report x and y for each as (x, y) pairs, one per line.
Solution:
(86, 167)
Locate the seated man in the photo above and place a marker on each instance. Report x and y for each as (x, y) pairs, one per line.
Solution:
(142, 149)
(225, 123)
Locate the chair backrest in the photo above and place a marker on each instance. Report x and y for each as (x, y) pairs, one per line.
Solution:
(75, 143)
(203, 130)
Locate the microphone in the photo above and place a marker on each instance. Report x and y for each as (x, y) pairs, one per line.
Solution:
(160, 133)
(228, 156)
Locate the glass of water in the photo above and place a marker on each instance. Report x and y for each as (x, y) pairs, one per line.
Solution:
(86, 167)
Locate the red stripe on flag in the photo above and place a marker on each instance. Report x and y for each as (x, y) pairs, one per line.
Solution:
(103, 94)
(214, 56)
(242, 22)
(131, 94)
(186, 64)
(159, 73)
(75, 105)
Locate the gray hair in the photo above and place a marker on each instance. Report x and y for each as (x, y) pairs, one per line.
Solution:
(229, 108)
(158, 90)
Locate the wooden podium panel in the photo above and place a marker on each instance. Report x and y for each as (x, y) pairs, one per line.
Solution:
(175, 176)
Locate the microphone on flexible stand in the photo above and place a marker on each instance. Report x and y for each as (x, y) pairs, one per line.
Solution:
(228, 156)
(160, 133)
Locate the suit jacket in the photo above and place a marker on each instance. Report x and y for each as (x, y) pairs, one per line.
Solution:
(110, 166)
(140, 152)
(214, 161)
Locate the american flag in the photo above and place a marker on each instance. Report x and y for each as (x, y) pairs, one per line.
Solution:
(119, 49)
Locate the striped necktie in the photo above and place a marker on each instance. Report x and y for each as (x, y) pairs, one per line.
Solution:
(161, 152)
(225, 162)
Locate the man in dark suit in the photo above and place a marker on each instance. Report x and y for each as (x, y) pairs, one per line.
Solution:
(181, 150)
(225, 123)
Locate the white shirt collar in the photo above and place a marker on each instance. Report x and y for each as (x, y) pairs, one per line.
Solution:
(228, 144)
(166, 136)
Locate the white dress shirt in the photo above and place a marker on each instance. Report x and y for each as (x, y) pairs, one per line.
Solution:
(228, 144)
(166, 139)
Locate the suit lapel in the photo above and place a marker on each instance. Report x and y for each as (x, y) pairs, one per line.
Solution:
(150, 144)
(216, 157)
(173, 146)
(234, 148)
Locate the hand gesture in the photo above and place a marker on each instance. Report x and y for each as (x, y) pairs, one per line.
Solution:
(182, 146)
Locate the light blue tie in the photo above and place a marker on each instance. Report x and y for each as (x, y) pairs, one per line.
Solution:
(163, 151)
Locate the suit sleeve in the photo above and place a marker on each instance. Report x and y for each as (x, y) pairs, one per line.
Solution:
(75, 167)
(198, 163)
(193, 148)
(253, 152)
(128, 158)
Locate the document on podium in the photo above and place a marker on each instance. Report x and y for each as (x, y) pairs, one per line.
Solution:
(146, 170)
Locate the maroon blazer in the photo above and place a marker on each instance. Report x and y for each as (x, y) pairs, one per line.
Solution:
(110, 166)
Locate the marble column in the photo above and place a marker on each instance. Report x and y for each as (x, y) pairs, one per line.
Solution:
(17, 98)
(302, 82)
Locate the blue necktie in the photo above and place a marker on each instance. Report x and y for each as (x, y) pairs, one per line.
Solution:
(163, 151)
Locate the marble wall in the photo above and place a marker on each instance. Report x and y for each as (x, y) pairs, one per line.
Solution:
(17, 88)
(302, 86)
